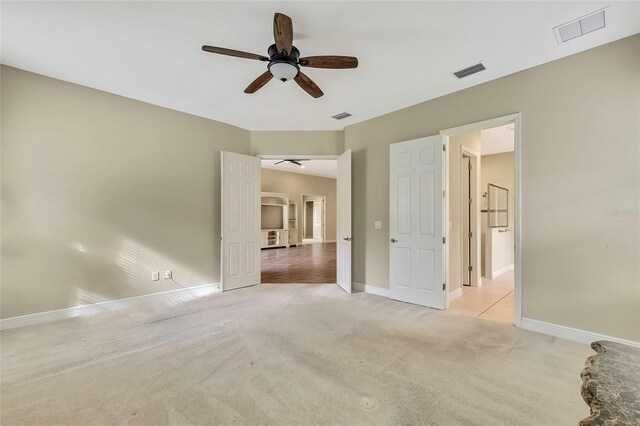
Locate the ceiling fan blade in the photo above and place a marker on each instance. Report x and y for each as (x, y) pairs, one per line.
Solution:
(258, 82)
(334, 62)
(296, 162)
(283, 32)
(236, 53)
(308, 85)
(281, 161)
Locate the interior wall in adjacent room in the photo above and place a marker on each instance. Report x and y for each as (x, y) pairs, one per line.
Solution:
(297, 185)
(498, 169)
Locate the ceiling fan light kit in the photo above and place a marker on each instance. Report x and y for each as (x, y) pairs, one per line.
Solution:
(285, 61)
(283, 67)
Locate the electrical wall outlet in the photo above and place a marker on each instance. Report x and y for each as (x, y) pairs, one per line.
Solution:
(155, 276)
(167, 275)
(377, 224)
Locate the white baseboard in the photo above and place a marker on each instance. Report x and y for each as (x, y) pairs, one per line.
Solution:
(453, 295)
(329, 241)
(111, 305)
(378, 291)
(569, 333)
(501, 271)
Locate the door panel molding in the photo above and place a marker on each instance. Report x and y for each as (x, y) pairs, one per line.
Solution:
(240, 224)
(416, 222)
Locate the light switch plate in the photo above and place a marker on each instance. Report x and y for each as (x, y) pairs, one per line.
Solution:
(378, 224)
(167, 275)
(155, 276)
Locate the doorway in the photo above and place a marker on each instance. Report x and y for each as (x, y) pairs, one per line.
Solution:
(426, 246)
(270, 243)
(483, 283)
(314, 219)
(469, 217)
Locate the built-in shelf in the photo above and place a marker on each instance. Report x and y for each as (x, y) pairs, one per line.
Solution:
(293, 224)
(275, 220)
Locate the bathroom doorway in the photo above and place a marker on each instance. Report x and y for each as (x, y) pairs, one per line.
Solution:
(481, 239)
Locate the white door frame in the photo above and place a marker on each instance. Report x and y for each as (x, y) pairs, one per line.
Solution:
(516, 119)
(323, 215)
(317, 157)
(475, 258)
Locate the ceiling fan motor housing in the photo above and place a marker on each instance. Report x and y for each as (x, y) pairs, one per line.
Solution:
(276, 57)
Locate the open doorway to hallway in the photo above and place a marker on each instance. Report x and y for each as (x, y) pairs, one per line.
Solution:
(481, 176)
(298, 229)
(313, 219)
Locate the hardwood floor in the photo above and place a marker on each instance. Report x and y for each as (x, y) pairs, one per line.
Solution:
(494, 300)
(310, 263)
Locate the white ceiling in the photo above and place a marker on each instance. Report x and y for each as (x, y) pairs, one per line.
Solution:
(497, 139)
(323, 168)
(150, 51)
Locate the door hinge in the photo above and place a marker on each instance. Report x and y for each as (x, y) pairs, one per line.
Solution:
(444, 194)
(444, 147)
(470, 268)
(470, 167)
(444, 240)
(444, 286)
(470, 200)
(470, 234)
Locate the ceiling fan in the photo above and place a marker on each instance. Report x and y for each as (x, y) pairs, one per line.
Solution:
(284, 59)
(297, 162)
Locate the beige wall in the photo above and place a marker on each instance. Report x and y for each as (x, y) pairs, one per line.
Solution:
(472, 141)
(297, 185)
(498, 169)
(580, 183)
(99, 190)
(297, 142)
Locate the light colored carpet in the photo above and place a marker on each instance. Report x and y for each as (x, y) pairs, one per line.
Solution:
(288, 354)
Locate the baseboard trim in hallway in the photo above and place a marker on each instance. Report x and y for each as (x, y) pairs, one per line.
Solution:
(109, 305)
(378, 291)
(453, 295)
(573, 334)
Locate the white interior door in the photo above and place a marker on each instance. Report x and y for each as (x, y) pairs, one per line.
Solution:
(343, 222)
(240, 231)
(317, 220)
(415, 222)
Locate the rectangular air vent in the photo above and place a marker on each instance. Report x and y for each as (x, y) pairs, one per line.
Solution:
(341, 116)
(579, 27)
(470, 70)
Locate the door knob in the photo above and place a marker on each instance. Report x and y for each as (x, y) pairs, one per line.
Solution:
(393, 240)
(347, 238)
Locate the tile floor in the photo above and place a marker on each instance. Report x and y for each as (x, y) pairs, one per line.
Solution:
(494, 300)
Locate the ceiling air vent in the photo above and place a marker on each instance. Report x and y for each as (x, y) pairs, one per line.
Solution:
(579, 27)
(341, 116)
(470, 70)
